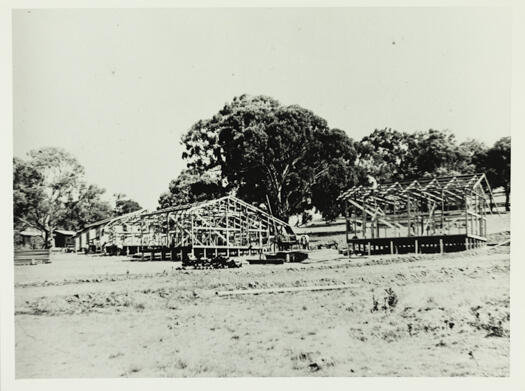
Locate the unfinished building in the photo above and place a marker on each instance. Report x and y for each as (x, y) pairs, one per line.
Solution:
(225, 226)
(427, 215)
(120, 234)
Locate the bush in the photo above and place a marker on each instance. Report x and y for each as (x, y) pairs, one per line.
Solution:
(375, 304)
(391, 299)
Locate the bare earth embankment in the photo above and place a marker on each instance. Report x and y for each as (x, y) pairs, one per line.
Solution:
(107, 317)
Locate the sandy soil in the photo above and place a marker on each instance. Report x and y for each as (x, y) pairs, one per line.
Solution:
(107, 317)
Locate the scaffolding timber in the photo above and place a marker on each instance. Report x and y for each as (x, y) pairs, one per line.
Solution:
(426, 215)
(225, 226)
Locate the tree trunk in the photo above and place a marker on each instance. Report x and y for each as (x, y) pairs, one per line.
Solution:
(46, 239)
(507, 199)
(49, 242)
(281, 209)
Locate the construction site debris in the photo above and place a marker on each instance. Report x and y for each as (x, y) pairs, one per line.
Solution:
(218, 262)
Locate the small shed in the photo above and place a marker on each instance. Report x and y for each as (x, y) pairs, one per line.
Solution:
(31, 238)
(64, 239)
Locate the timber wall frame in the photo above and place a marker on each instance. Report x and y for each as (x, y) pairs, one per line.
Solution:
(224, 226)
(425, 215)
(112, 234)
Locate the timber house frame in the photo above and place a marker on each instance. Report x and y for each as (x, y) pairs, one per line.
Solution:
(440, 214)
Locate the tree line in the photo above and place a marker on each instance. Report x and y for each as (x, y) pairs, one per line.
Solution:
(289, 158)
(284, 158)
(50, 192)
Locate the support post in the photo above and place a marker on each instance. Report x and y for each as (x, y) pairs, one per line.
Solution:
(347, 228)
(442, 212)
(391, 247)
(466, 215)
(142, 239)
(227, 228)
(441, 245)
(416, 246)
(191, 238)
(409, 217)
(168, 229)
(260, 234)
(396, 230)
(364, 219)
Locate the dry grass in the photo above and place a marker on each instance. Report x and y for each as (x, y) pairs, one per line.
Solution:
(435, 316)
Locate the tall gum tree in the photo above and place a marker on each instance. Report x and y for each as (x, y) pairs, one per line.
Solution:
(268, 151)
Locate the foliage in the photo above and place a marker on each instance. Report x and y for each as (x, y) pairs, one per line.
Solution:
(389, 301)
(50, 192)
(28, 190)
(191, 187)
(388, 154)
(264, 149)
(437, 154)
(203, 150)
(497, 162)
(124, 205)
(329, 185)
(88, 208)
(474, 154)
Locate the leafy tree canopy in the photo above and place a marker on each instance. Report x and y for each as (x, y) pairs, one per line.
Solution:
(266, 150)
(437, 154)
(393, 155)
(497, 162)
(124, 205)
(262, 150)
(474, 154)
(388, 154)
(191, 187)
(50, 192)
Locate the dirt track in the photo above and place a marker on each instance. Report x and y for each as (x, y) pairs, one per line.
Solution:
(147, 319)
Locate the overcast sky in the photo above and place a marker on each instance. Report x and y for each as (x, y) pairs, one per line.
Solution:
(118, 88)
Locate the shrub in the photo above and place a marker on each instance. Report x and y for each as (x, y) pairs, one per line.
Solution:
(391, 299)
(375, 304)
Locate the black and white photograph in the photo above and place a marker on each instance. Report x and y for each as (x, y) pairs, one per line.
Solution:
(261, 192)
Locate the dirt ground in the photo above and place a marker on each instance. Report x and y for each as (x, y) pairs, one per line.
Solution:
(85, 316)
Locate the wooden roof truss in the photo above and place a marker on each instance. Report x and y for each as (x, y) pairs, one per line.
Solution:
(223, 223)
(428, 202)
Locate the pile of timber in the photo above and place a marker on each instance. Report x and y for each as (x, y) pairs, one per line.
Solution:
(218, 262)
(32, 257)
